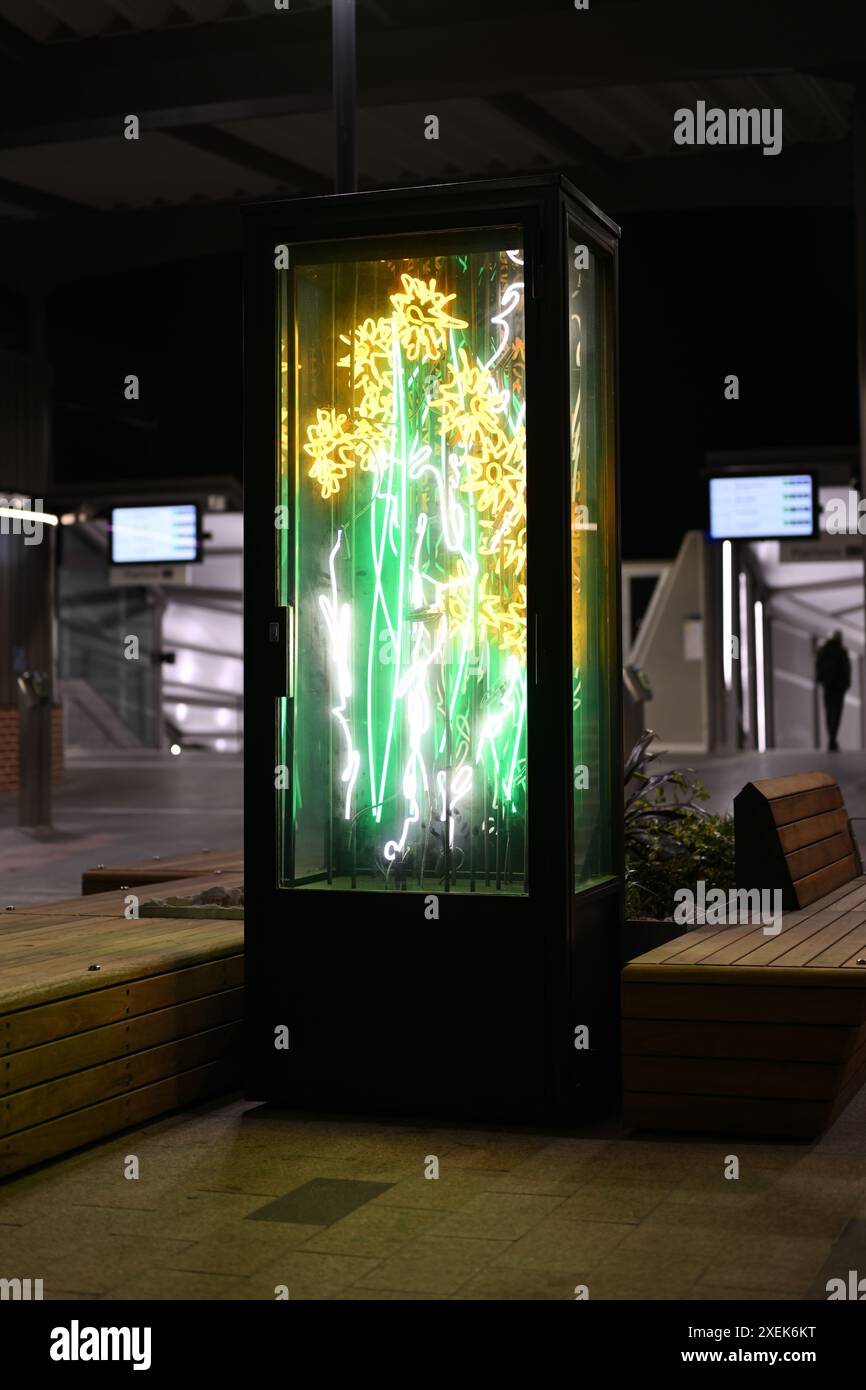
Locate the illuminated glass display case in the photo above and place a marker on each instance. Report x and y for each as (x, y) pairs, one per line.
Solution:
(433, 797)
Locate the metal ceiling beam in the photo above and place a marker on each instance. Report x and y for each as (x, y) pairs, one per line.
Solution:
(16, 47)
(21, 195)
(284, 172)
(802, 176)
(45, 254)
(535, 121)
(221, 72)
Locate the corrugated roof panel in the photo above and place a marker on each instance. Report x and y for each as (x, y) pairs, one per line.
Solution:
(473, 138)
(391, 145)
(308, 140)
(638, 121)
(146, 14)
(83, 17)
(209, 9)
(48, 20)
(30, 18)
(118, 173)
(10, 213)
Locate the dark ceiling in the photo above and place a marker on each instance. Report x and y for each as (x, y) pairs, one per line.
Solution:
(234, 103)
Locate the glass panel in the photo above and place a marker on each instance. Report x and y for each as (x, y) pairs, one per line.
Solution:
(93, 620)
(283, 595)
(593, 557)
(403, 420)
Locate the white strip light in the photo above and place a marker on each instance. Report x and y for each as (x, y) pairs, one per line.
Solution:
(727, 616)
(23, 514)
(744, 651)
(759, 676)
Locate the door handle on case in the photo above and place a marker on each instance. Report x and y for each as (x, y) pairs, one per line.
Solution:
(281, 636)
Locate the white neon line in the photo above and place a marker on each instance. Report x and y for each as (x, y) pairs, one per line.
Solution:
(727, 617)
(744, 651)
(759, 676)
(510, 301)
(24, 514)
(338, 621)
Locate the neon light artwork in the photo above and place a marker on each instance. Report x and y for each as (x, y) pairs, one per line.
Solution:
(403, 419)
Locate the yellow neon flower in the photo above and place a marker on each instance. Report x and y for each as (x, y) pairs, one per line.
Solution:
(455, 595)
(377, 401)
(331, 447)
(371, 341)
(472, 407)
(506, 536)
(487, 480)
(369, 439)
(504, 617)
(515, 550)
(498, 480)
(421, 319)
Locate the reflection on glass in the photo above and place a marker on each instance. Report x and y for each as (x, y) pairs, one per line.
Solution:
(594, 648)
(403, 460)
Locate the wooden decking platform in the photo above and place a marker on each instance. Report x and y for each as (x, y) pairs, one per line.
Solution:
(85, 1053)
(727, 1029)
(202, 865)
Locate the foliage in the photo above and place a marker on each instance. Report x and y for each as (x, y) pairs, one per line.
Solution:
(670, 840)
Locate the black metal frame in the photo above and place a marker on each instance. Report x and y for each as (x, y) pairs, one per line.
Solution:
(474, 1013)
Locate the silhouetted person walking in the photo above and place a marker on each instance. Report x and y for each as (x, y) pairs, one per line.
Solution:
(833, 672)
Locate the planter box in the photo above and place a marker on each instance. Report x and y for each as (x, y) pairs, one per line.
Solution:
(644, 934)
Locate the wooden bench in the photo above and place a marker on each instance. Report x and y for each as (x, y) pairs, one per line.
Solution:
(793, 833)
(730, 1029)
(202, 865)
(84, 1053)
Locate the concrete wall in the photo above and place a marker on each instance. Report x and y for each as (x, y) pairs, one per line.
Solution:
(671, 648)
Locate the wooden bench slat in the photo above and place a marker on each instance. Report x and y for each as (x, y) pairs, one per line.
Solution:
(725, 1076)
(774, 787)
(170, 869)
(795, 1042)
(740, 1028)
(811, 858)
(38, 1104)
(799, 945)
(711, 942)
(811, 829)
(814, 886)
(805, 804)
(50, 1061)
(793, 1119)
(46, 1023)
(41, 1142)
(850, 947)
(728, 1002)
(84, 1053)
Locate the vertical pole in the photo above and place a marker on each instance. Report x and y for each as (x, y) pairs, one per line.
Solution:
(345, 92)
(860, 257)
(34, 745)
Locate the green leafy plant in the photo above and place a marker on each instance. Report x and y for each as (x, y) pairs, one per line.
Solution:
(671, 841)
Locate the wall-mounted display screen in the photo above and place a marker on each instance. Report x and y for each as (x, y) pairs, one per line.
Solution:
(762, 507)
(166, 535)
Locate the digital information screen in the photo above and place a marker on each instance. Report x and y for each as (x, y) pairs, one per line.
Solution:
(766, 507)
(154, 535)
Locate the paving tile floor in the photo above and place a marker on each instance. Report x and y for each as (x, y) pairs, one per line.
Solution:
(236, 1201)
